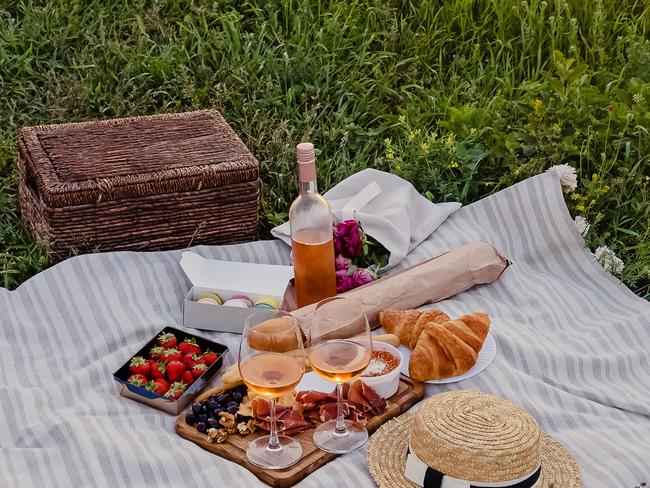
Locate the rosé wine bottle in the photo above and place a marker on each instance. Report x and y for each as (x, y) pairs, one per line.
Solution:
(310, 219)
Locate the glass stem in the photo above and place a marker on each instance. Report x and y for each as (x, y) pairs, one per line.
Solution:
(274, 441)
(341, 429)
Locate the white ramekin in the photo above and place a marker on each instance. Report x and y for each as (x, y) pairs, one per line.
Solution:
(386, 385)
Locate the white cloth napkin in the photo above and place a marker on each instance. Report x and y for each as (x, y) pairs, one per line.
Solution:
(389, 209)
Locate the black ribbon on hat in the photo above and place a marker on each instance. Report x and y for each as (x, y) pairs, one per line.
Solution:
(433, 478)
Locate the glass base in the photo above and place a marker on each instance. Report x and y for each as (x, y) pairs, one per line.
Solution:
(327, 439)
(288, 454)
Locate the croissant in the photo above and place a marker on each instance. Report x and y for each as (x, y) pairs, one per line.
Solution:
(448, 349)
(409, 324)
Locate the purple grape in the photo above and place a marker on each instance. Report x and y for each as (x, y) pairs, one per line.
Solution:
(190, 417)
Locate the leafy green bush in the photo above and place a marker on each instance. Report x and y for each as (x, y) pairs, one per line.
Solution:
(462, 97)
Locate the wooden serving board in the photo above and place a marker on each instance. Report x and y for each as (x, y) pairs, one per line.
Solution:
(234, 449)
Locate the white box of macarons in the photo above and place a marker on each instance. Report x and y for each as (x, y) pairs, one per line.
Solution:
(225, 293)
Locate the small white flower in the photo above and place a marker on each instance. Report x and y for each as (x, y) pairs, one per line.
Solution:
(608, 260)
(567, 174)
(582, 225)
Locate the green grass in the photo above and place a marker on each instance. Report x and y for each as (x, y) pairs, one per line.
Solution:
(463, 97)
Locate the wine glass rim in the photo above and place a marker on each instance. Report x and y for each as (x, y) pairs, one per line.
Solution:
(327, 300)
(271, 314)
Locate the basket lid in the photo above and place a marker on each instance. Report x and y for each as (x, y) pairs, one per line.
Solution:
(89, 162)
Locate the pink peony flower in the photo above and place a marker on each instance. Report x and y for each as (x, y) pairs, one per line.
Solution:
(344, 281)
(361, 276)
(347, 279)
(342, 263)
(348, 240)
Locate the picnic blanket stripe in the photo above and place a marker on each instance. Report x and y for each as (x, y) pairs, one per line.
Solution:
(570, 350)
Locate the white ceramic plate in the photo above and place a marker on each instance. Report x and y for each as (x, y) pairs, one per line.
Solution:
(485, 357)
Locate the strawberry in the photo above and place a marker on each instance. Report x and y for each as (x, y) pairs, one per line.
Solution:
(167, 340)
(189, 346)
(159, 385)
(151, 363)
(172, 354)
(175, 370)
(158, 369)
(191, 359)
(176, 390)
(187, 377)
(137, 380)
(209, 357)
(139, 366)
(198, 370)
(156, 352)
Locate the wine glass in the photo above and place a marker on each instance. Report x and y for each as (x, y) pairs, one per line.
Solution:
(339, 349)
(271, 363)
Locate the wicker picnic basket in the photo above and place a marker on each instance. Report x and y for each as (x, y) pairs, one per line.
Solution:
(140, 183)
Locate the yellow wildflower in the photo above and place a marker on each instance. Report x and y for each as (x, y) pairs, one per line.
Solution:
(402, 118)
(387, 141)
(576, 196)
(424, 146)
(538, 105)
(593, 202)
(389, 153)
(417, 132)
(472, 131)
(411, 135)
(580, 208)
(594, 177)
(557, 128)
(398, 167)
(433, 135)
(454, 164)
(449, 141)
(606, 188)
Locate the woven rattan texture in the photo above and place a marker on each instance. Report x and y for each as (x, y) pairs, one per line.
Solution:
(144, 183)
(73, 164)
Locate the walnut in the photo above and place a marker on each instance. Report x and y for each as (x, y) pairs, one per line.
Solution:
(218, 435)
(246, 427)
(212, 435)
(222, 435)
(227, 420)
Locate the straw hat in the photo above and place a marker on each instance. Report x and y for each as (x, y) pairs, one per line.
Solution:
(464, 438)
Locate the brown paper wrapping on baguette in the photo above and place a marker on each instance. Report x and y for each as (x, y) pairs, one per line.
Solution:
(444, 276)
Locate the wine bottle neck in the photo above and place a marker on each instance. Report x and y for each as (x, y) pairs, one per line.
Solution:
(308, 187)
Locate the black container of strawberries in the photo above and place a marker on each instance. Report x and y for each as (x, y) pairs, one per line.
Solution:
(170, 370)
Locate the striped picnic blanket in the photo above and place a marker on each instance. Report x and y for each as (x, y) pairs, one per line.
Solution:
(572, 349)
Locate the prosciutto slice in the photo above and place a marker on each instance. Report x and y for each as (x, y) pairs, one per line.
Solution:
(311, 399)
(351, 411)
(366, 395)
(360, 400)
(288, 420)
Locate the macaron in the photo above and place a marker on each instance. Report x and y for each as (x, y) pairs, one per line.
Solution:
(208, 300)
(211, 295)
(266, 303)
(237, 302)
(244, 298)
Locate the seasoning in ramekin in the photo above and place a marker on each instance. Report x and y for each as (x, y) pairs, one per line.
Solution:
(381, 363)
